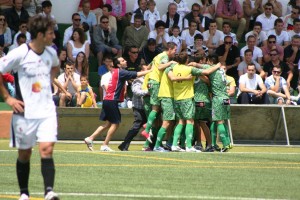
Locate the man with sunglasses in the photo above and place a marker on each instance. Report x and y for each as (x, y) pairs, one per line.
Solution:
(275, 85)
(267, 19)
(271, 45)
(195, 15)
(275, 61)
(289, 19)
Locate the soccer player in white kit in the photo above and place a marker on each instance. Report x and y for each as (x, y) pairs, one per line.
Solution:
(34, 65)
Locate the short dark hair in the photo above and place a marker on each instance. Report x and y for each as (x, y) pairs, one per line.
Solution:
(108, 6)
(192, 21)
(198, 37)
(272, 36)
(182, 58)
(278, 20)
(46, 4)
(213, 58)
(39, 24)
(160, 23)
(226, 23)
(257, 24)
(75, 14)
(80, 33)
(116, 62)
(138, 16)
(268, 4)
(103, 17)
(171, 45)
(296, 20)
(251, 64)
(247, 51)
(21, 35)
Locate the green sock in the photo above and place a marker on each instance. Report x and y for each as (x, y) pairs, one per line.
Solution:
(160, 136)
(228, 137)
(189, 130)
(151, 118)
(223, 134)
(177, 133)
(213, 134)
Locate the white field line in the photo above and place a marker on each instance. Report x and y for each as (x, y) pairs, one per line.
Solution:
(142, 196)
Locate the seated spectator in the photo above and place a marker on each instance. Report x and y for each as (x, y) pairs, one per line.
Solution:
(149, 51)
(257, 53)
(226, 28)
(231, 11)
(202, 23)
(288, 20)
(106, 40)
(176, 38)
(248, 59)
(21, 39)
(69, 31)
(182, 7)
(106, 11)
(229, 55)
(151, 16)
(208, 8)
(259, 34)
(22, 29)
(62, 56)
(275, 61)
(277, 7)
(15, 14)
(275, 86)
(188, 35)
(103, 69)
(296, 28)
(95, 6)
(85, 94)
(134, 60)
(33, 7)
(172, 18)
(213, 38)
(135, 35)
(159, 34)
(76, 44)
(5, 34)
(70, 81)
(267, 19)
(282, 37)
(141, 9)
(197, 48)
(86, 15)
(5, 5)
(251, 10)
(290, 5)
(81, 64)
(252, 88)
(271, 44)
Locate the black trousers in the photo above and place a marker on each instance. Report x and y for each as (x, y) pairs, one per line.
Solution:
(246, 98)
(140, 118)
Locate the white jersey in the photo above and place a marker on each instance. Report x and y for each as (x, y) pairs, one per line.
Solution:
(32, 79)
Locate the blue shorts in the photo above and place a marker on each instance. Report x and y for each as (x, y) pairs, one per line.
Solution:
(110, 112)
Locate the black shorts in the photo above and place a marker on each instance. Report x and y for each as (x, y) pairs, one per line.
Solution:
(110, 112)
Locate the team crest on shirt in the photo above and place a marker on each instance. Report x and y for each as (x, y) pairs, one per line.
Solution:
(36, 87)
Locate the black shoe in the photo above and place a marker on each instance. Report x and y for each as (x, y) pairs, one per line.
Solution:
(123, 147)
(225, 149)
(209, 148)
(216, 148)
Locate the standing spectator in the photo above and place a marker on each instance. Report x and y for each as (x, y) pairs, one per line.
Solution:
(106, 11)
(69, 31)
(5, 34)
(248, 59)
(275, 86)
(149, 51)
(159, 34)
(82, 64)
(208, 8)
(277, 7)
(86, 15)
(172, 18)
(188, 35)
(288, 20)
(151, 16)
(195, 15)
(275, 61)
(259, 34)
(110, 111)
(296, 28)
(226, 28)
(282, 37)
(229, 55)
(15, 14)
(251, 8)
(182, 7)
(231, 11)
(106, 40)
(271, 45)
(291, 57)
(257, 53)
(76, 44)
(141, 10)
(267, 18)
(252, 88)
(34, 118)
(135, 35)
(213, 38)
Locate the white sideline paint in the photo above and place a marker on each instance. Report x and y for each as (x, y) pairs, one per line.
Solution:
(143, 196)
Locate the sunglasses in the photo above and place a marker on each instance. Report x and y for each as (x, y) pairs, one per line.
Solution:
(270, 42)
(2, 19)
(105, 22)
(268, 8)
(134, 52)
(196, 10)
(77, 20)
(228, 42)
(276, 72)
(23, 26)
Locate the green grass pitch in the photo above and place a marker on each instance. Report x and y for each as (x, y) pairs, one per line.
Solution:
(243, 173)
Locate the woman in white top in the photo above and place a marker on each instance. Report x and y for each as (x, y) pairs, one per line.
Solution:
(76, 44)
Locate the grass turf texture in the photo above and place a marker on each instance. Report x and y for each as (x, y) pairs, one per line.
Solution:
(242, 173)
